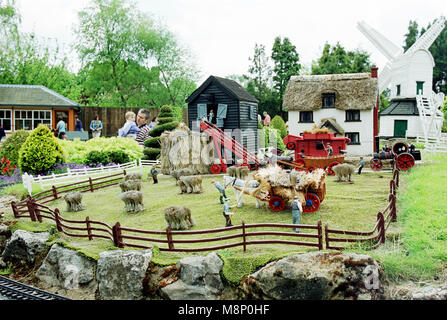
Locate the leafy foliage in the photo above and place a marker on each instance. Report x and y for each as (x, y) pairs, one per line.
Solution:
(152, 142)
(151, 153)
(272, 137)
(279, 124)
(10, 148)
(104, 157)
(40, 151)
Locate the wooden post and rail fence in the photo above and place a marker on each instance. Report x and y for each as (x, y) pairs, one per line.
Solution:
(34, 207)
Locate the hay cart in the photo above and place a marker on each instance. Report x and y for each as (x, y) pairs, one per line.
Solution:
(403, 155)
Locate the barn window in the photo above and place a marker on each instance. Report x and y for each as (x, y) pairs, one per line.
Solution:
(252, 112)
(5, 119)
(306, 116)
(354, 137)
(328, 100)
(352, 115)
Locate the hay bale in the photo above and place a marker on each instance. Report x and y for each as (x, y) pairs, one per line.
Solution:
(133, 201)
(178, 218)
(130, 185)
(74, 201)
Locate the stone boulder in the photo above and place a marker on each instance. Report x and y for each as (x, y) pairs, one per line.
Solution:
(120, 274)
(316, 276)
(431, 293)
(199, 279)
(67, 269)
(25, 247)
(5, 234)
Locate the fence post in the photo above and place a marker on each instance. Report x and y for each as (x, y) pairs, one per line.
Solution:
(14, 209)
(30, 205)
(243, 235)
(381, 227)
(392, 187)
(117, 237)
(89, 231)
(58, 223)
(320, 235)
(91, 183)
(169, 236)
(392, 199)
(396, 178)
(54, 192)
(326, 236)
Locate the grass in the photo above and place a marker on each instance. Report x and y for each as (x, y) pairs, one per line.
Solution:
(346, 206)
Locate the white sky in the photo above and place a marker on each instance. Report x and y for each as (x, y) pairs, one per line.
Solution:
(221, 34)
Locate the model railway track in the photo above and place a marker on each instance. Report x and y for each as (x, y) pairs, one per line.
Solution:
(18, 291)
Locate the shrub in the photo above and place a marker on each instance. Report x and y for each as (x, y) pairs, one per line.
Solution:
(151, 153)
(97, 157)
(10, 148)
(268, 131)
(118, 157)
(152, 142)
(159, 129)
(164, 120)
(40, 151)
(166, 111)
(279, 124)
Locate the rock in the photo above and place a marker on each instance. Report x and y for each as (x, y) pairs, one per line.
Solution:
(316, 276)
(67, 269)
(25, 247)
(158, 277)
(5, 234)
(431, 293)
(5, 201)
(120, 274)
(199, 279)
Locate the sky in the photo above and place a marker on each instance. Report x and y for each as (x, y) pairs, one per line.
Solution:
(221, 34)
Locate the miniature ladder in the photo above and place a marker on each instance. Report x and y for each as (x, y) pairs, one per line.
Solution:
(431, 121)
(222, 139)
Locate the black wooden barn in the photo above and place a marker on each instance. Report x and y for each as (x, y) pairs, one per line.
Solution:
(235, 110)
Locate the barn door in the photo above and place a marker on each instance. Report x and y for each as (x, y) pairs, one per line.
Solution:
(201, 111)
(221, 114)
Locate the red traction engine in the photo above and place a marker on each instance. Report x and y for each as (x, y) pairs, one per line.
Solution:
(403, 155)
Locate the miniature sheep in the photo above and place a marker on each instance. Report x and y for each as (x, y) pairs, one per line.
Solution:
(133, 201)
(130, 185)
(344, 171)
(190, 184)
(74, 201)
(181, 172)
(178, 218)
(238, 172)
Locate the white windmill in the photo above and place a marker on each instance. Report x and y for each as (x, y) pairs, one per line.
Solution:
(409, 74)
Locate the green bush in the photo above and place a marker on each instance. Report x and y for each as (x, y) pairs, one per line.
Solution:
(159, 129)
(164, 120)
(269, 131)
(166, 111)
(152, 142)
(105, 157)
(118, 157)
(260, 125)
(40, 151)
(10, 148)
(151, 153)
(279, 124)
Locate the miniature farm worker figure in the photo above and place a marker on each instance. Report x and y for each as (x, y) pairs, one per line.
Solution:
(329, 149)
(60, 127)
(362, 164)
(78, 124)
(143, 117)
(211, 116)
(130, 128)
(266, 119)
(221, 190)
(154, 173)
(297, 208)
(96, 127)
(226, 213)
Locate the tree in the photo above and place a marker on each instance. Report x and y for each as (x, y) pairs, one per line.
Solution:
(412, 35)
(336, 60)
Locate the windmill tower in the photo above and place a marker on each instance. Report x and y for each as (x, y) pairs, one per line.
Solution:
(409, 75)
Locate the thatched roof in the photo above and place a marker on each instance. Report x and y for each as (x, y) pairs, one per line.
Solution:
(353, 91)
(332, 124)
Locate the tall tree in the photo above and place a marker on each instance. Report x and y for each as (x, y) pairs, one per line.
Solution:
(335, 59)
(412, 35)
(286, 63)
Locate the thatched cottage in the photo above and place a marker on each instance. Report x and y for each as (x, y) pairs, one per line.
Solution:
(347, 104)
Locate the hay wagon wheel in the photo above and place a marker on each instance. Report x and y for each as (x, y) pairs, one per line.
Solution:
(216, 169)
(376, 164)
(312, 202)
(330, 166)
(277, 203)
(405, 161)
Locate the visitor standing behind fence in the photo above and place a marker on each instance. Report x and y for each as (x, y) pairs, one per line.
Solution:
(60, 127)
(297, 208)
(266, 119)
(96, 127)
(130, 128)
(142, 119)
(153, 123)
(78, 124)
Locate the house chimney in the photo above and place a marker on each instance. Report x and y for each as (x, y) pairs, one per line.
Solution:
(374, 71)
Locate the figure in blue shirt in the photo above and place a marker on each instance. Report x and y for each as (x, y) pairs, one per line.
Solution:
(130, 128)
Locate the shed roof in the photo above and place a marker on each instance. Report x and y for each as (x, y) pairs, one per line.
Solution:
(13, 95)
(353, 91)
(401, 107)
(231, 87)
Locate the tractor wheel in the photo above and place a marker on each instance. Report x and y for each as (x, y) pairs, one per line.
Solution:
(405, 161)
(290, 145)
(312, 202)
(376, 165)
(215, 169)
(330, 166)
(277, 204)
(400, 147)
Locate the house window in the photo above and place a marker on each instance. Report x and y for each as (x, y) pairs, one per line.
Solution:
(354, 136)
(5, 119)
(306, 116)
(352, 115)
(30, 119)
(398, 90)
(420, 87)
(328, 100)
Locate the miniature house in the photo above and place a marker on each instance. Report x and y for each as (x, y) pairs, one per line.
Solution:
(24, 107)
(346, 104)
(235, 111)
